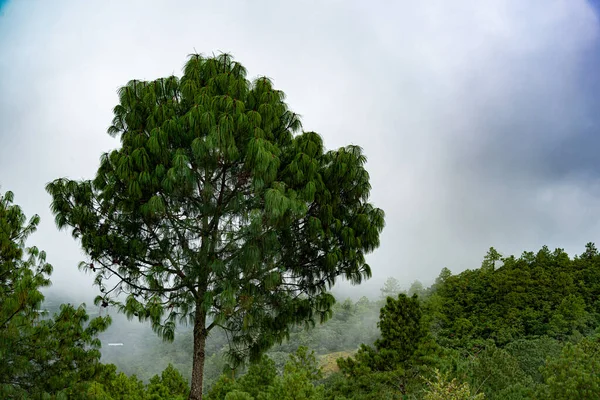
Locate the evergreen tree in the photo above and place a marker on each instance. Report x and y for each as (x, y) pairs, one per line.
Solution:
(121, 386)
(391, 288)
(418, 289)
(490, 259)
(260, 375)
(39, 355)
(20, 283)
(218, 211)
(401, 329)
(170, 384)
(402, 334)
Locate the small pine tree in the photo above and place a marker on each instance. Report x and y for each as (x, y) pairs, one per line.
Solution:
(490, 259)
(391, 288)
(402, 332)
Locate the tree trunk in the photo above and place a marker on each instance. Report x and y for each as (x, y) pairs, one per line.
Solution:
(198, 361)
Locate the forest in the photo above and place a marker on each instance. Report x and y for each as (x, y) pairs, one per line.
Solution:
(220, 226)
(522, 327)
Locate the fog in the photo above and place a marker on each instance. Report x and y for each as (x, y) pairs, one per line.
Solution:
(479, 118)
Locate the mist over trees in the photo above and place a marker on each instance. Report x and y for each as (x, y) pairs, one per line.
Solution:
(470, 335)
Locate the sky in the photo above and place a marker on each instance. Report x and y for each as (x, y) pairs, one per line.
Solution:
(479, 118)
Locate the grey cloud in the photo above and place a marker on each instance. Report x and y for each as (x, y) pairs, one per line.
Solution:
(474, 115)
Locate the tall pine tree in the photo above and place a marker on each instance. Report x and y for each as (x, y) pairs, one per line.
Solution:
(219, 211)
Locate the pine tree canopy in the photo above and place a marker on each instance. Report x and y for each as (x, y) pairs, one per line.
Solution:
(218, 207)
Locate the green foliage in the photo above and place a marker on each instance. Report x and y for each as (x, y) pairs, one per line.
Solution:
(293, 385)
(224, 385)
(441, 389)
(569, 317)
(490, 260)
(40, 356)
(472, 367)
(544, 293)
(494, 371)
(218, 211)
(96, 391)
(396, 356)
(391, 288)
(417, 288)
(170, 384)
(305, 362)
(531, 354)
(238, 395)
(20, 283)
(509, 330)
(402, 332)
(575, 373)
(401, 329)
(260, 375)
(109, 384)
(262, 382)
(126, 387)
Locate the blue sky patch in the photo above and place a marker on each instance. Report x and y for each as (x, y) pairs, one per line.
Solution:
(2, 4)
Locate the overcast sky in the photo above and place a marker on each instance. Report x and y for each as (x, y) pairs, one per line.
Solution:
(480, 119)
